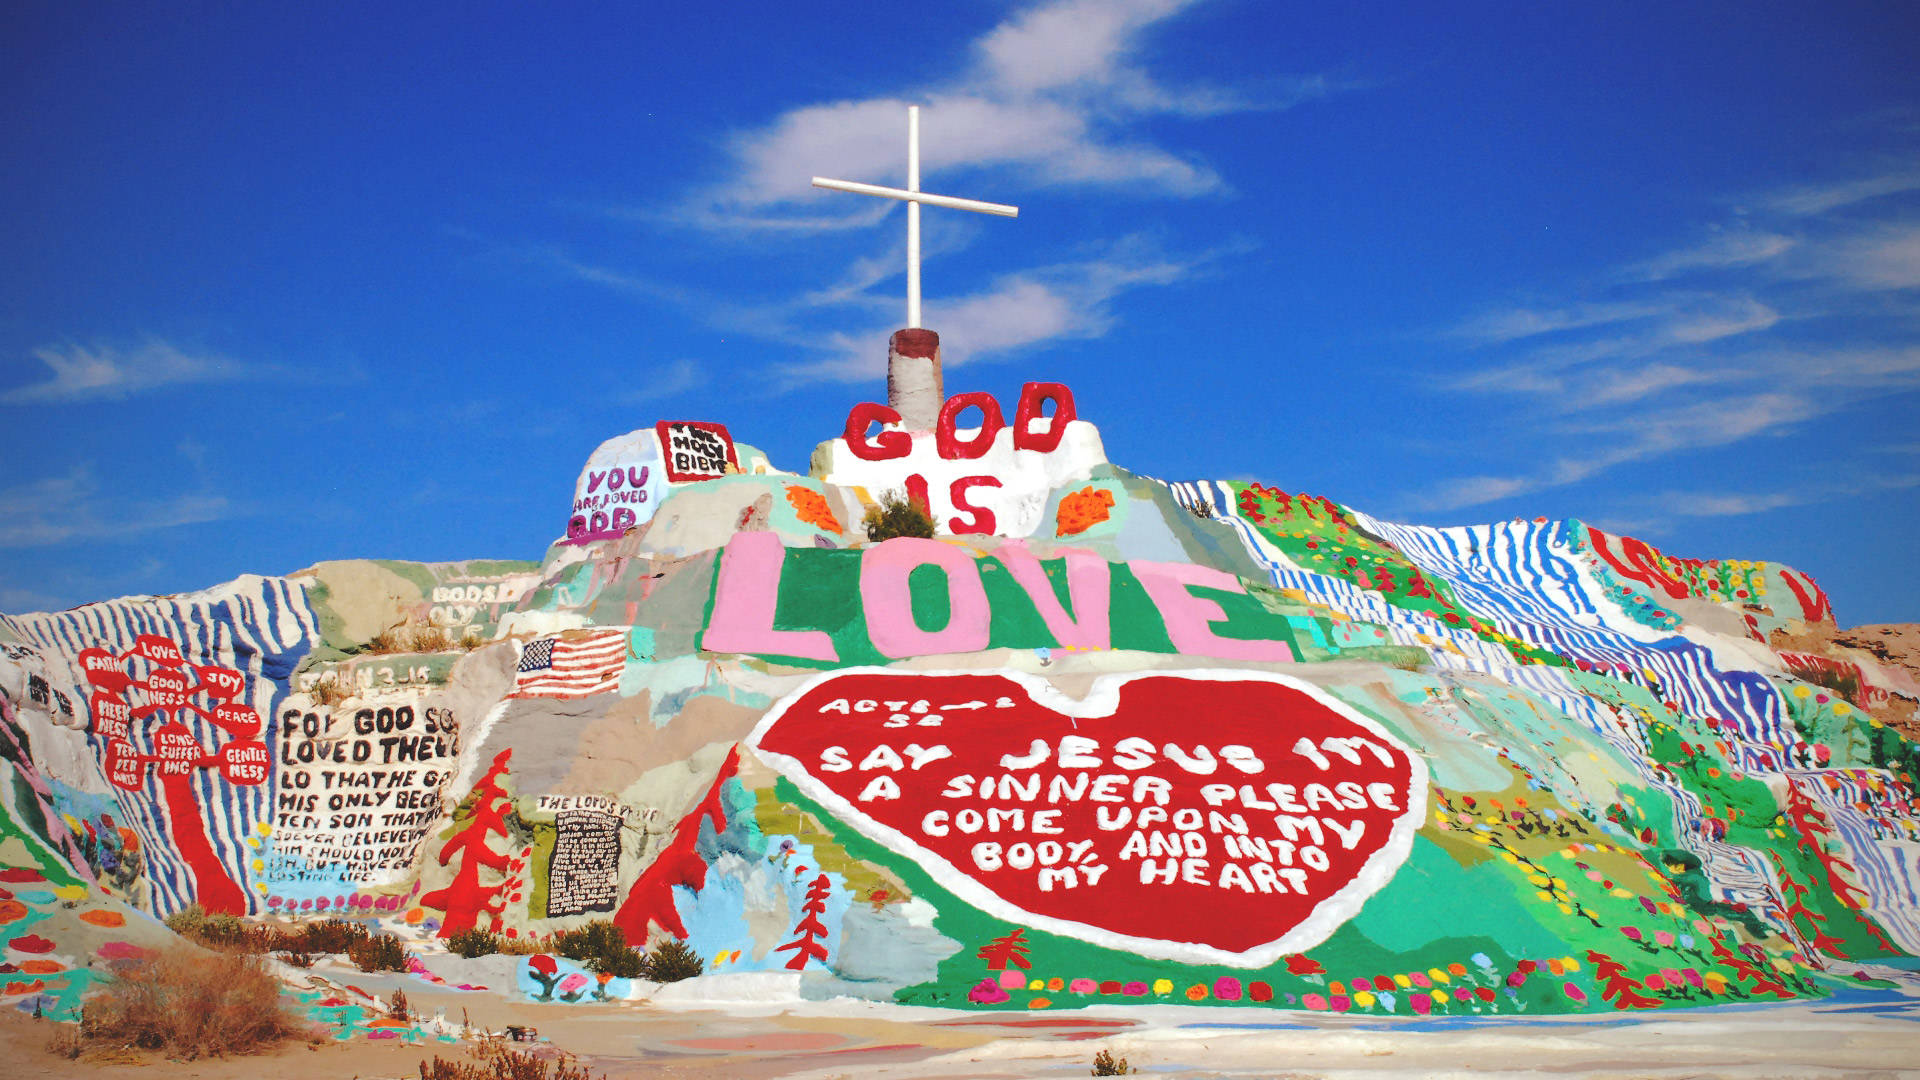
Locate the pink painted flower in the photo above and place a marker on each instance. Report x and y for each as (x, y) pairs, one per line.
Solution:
(1083, 986)
(1421, 1003)
(1013, 980)
(1662, 937)
(1341, 1003)
(1361, 983)
(987, 992)
(1314, 1002)
(1226, 988)
(1134, 989)
(1632, 933)
(1420, 979)
(1574, 992)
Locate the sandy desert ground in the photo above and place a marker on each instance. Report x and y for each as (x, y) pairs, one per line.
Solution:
(1871, 1034)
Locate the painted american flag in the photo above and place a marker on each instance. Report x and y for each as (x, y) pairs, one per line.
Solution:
(571, 667)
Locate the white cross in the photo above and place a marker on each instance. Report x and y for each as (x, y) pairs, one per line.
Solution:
(913, 197)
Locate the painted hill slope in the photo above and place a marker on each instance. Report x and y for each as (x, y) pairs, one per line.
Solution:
(1103, 738)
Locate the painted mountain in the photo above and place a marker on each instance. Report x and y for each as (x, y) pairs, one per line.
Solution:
(1098, 738)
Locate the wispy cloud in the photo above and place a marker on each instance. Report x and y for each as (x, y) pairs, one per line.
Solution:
(1053, 95)
(80, 372)
(1056, 95)
(1797, 308)
(666, 381)
(70, 507)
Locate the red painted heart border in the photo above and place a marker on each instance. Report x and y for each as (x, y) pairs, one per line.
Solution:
(1103, 700)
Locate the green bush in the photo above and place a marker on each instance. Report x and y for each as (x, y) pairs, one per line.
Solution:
(896, 515)
(472, 943)
(381, 953)
(671, 961)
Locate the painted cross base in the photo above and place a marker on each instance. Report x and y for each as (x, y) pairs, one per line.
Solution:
(915, 388)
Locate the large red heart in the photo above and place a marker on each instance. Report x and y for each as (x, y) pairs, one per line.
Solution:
(1117, 819)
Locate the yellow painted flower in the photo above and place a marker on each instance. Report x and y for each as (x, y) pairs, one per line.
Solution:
(1036, 985)
(1439, 976)
(1363, 999)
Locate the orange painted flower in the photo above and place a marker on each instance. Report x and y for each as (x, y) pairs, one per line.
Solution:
(811, 508)
(103, 918)
(1196, 992)
(1038, 1003)
(1082, 510)
(41, 967)
(12, 911)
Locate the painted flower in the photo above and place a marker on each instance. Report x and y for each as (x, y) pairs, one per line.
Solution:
(1555, 967)
(1259, 991)
(1485, 993)
(571, 986)
(1361, 984)
(1134, 989)
(1662, 937)
(1196, 992)
(543, 964)
(1110, 986)
(1403, 982)
(1460, 994)
(1422, 1004)
(1692, 975)
(1013, 980)
(1386, 1000)
(100, 917)
(1226, 988)
(1525, 967)
(1039, 1003)
(1575, 992)
(1457, 969)
(1439, 997)
(1419, 979)
(1083, 986)
(987, 992)
(1340, 1002)
(1655, 982)
(1302, 964)
(1439, 976)
(1314, 1002)
(1518, 978)
(1631, 933)
(1056, 984)
(1163, 987)
(1363, 999)
(1336, 987)
(32, 943)
(12, 911)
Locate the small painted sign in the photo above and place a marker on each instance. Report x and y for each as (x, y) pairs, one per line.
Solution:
(695, 450)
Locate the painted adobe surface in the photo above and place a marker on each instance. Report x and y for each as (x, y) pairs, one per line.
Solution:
(1104, 739)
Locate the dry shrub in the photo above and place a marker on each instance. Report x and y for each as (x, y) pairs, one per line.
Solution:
(383, 952)
(394, 639)
(399, 1008)
(190, 1004)
(332, 936)
(472, 943)
(431, 639)
(507, 946)
(1105, 1064)
(671, 961)
(498, 1061)
(331, 691)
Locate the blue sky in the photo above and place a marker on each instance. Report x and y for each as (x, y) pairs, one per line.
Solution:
(286, 285)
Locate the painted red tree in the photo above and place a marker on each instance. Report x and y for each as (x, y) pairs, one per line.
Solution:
(806, 944)
(1007, 949)
(679, 863)
(465, 898)
(1616, 987)
(1811, 822)
(121, 703)
(1745, 969)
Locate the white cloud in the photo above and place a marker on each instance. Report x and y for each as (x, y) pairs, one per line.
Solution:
(1068, 300)
(1797, 310)
(1053, 97)
(80, 372)
(664, 382)
(73, 507)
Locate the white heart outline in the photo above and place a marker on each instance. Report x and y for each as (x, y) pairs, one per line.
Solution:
(1103, 699)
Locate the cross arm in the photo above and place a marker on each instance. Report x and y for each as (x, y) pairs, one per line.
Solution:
(949, 201)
